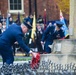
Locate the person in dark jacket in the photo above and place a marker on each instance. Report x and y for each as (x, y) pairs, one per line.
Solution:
(48, 38)
(0, 28)
(40, 19)
(12, 34)
(59, 33)
(26, 39)
(39, 33)
(11, 21)
(1, 17)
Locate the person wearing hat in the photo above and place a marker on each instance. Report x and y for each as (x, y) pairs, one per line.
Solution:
(12, 34)
(59, 33)
(47, 38)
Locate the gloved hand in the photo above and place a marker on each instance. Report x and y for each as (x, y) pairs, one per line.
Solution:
(33, 53)
(42, 42)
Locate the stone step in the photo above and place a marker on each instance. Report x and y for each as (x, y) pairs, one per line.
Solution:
(59, 58)
(57, 62)
(66, 46)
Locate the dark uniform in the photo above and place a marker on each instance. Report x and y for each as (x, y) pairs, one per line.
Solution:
(59, 34)
(12, 34)
(39, 34)
(0, 31)
(1, 18)
(26, 39)
(48, 38)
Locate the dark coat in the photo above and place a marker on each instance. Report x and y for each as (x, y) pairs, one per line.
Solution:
(48, 38)
(1, 18)
(0, 31)
(59, 34)
(11, 35)
(39, 34)
(27, 37)
(47, 35)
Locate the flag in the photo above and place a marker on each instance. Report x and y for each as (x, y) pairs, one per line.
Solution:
(7, 21)
(33, 28)
(18, 19)
(44, 19)
(64, 27)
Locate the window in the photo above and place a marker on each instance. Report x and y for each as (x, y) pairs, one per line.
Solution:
(15, 6)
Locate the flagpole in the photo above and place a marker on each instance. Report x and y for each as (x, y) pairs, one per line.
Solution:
(7, 21)
(44, 18)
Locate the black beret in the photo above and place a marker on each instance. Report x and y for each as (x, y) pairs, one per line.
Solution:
(59, 23)
(27, 25)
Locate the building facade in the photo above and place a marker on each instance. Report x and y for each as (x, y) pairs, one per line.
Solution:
(27, 7)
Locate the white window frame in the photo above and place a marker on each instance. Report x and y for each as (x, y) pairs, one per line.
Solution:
(16, 11)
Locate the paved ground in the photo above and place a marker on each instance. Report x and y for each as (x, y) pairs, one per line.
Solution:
(16, 62)
(19, 58)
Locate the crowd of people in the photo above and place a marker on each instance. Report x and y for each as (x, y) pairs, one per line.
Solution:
(43, 37)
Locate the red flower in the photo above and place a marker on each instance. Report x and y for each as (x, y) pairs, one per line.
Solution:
(35, 61)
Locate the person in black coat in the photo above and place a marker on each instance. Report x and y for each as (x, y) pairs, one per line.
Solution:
(11, 21)
(12, 34)
(39, 33)
(26, 39)
(0, 28)
(1, 18)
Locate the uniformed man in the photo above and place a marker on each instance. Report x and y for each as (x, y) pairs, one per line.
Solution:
(48, 38)
(12, 34)
(59, 33)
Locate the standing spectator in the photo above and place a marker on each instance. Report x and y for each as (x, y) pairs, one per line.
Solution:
(26, 39)
(4, 26)
(11, 21)
(0, 28)
(40, 19)
(26, 18)
(18, 21)
(1, 17)
(29, 19)
(39, 33)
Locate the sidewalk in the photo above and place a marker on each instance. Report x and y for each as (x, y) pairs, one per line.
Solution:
(16, 62)
(19, 58)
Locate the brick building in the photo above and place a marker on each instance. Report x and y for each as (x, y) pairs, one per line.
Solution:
(27, 7)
